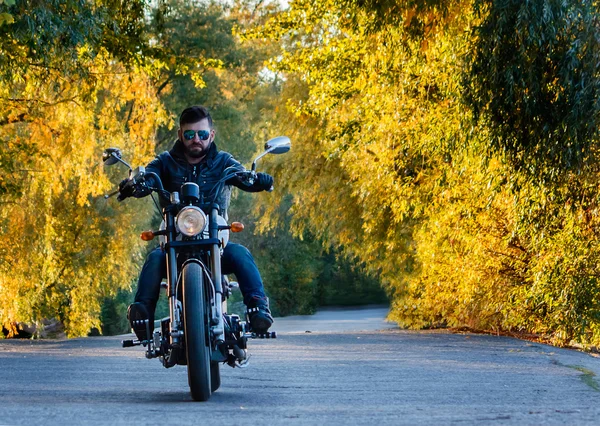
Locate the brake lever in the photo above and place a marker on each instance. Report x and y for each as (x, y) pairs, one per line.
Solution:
(248, 177)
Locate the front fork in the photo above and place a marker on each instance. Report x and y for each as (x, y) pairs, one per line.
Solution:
(236, 336)
(216, 312)
(217, 323)
(176, 326)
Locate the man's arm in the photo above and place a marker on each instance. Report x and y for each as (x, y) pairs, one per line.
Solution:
(126, 191)
(155, 166)
(263, 181)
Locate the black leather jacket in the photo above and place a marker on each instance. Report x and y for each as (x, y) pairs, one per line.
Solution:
(174, 170)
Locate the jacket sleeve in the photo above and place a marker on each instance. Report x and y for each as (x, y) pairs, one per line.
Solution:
(154, 166)
(236, 181)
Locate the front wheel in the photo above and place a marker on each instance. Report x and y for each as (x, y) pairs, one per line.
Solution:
(215, 376)
(195, 318)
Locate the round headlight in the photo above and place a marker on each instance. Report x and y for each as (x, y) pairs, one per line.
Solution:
(191, 221)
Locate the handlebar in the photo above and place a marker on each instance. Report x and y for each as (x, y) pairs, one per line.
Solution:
(139, 178)
(157, 181)
(247, 177)
(115, 192)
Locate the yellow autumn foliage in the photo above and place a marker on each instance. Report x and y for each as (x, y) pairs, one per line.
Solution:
(64, 247)
(406, 156)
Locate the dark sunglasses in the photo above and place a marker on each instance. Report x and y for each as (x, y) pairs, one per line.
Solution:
(202, 134)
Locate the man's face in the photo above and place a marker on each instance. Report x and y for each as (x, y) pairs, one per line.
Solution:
(196, 147)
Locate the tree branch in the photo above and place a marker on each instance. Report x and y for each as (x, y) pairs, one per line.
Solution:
(256, 7)
(163, 85)
(40, 101)
(21, 118)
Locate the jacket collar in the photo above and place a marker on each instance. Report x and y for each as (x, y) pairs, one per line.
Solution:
(178, 153)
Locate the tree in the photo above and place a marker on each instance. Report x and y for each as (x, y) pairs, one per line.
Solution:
(446, 149)
(375, 110)
(68, 90)
(242, 99)
(533, 82)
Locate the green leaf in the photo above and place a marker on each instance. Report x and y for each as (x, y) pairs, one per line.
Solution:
(6, 18)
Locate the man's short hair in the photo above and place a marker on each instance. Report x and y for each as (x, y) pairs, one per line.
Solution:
(195, 114)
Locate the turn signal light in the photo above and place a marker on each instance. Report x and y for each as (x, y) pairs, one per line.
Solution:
(147, 235)
(237, 227)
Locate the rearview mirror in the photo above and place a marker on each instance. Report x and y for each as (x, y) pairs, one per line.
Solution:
(111, 156)
(278, 145)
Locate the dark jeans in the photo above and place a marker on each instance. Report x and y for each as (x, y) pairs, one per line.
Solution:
(236, 260)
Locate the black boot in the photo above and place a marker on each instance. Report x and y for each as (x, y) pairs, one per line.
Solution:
(259, 316)
(138, 316)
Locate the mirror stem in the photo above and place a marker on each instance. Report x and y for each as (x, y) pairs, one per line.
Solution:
(259, 157)
(121, 161)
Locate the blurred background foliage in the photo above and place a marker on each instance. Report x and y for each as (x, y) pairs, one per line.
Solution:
(445, 153)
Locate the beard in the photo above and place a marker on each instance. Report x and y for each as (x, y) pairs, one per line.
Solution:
(196, 151)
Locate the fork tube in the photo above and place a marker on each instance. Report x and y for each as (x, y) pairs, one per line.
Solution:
(215, 258)
(172, 281)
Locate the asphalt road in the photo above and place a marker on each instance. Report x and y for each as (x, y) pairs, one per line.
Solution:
(321, 370)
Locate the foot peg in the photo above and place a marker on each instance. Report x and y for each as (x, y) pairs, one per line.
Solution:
(267, 335)
(249, 333)
(138, 324)
(130, 343)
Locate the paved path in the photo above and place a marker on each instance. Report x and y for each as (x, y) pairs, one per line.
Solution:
(337, 320)
(332, 375)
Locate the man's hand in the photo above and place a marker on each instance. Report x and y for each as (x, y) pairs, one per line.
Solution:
(264, 181)
(126, 190)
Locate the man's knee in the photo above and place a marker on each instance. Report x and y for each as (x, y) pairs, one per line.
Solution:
(153, 271)
(156, 256)
(237, 252)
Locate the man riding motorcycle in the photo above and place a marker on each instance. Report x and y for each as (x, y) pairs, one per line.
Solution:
(195, 158)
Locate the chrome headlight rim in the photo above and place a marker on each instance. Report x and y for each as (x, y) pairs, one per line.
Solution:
(196, 214)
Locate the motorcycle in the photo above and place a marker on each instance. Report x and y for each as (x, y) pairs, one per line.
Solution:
(198, 332)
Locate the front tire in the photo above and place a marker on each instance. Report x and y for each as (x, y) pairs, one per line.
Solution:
(215, 376)
(196, 332)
